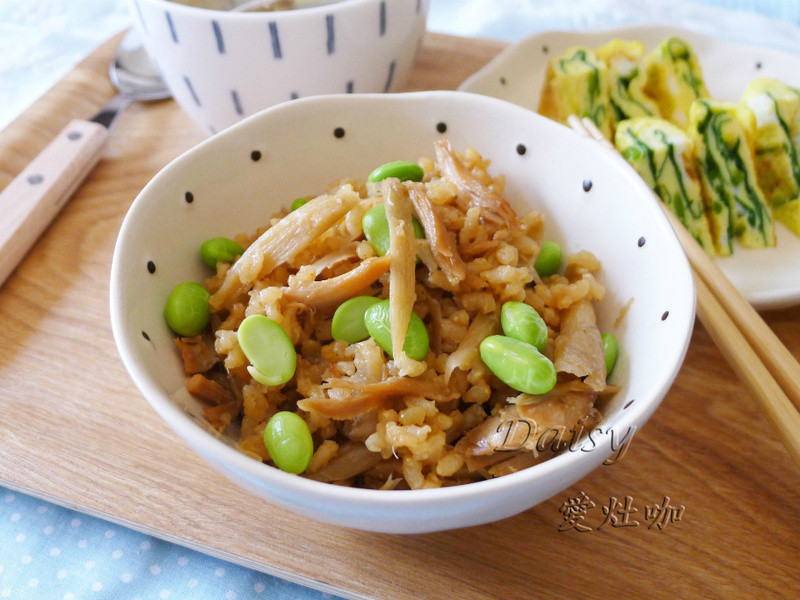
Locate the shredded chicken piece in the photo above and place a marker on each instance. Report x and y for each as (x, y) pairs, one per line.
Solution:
(390, 483)
(282, 242)
(220, 416)
(359, 428)
(579, 348)
(485, 462)
(503, 463)
(493, 206)
(329, 292)
(480, 248)
(208, 390)
(198, 357)
(623, 312)
(514, 463)
(335, 258)
(435, 311)
(468, 350)
(402, 277)
(352, 459)
(517, 427)
(564, 393)
(442, 241)
(368, 396)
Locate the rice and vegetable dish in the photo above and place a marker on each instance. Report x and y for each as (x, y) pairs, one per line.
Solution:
(408, 331)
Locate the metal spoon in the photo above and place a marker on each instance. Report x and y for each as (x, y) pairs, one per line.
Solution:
(32, 200)
(135, 76)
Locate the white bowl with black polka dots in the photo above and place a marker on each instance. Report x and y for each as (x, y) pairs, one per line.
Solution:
(233, 182)
(222, 66)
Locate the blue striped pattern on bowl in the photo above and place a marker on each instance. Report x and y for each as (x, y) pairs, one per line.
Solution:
(222, 66)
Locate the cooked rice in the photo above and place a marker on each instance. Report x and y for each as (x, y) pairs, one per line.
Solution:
(407, 438)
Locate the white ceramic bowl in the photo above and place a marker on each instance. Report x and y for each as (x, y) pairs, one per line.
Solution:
(301, 146)
(222, 66)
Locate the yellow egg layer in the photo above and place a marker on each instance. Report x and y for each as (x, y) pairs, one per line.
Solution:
(776, 107)
(723, 133)
(577, 83)
(674, 79)
(665, 157)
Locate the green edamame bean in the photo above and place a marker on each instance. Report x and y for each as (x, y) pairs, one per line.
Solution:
(518, 364)
(269, 350)
(186, 310)
(610, 349)
(348, 320)
(288, 441)
(521, 322)
(549, 259)
(219, 250)
(376, 229)
(379, 327)
(402, 169)
(297, 203)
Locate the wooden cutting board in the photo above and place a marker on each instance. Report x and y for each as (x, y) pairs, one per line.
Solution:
(704, 503)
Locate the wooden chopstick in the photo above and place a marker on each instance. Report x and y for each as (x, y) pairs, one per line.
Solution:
(751, 371)
(764, 365)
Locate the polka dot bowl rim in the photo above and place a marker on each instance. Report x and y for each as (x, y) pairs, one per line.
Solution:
(580, 188)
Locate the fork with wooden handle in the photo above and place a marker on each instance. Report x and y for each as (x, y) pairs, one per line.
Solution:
(33, 199)
(765, 366)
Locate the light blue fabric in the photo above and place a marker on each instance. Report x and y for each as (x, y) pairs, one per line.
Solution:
(52, 553)
(748, 21)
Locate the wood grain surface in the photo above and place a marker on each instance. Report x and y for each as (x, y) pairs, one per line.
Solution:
(74, 430)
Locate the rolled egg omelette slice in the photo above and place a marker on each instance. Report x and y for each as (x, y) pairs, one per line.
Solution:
(674, 79)
(576, 83)
(723, 133)
(626, 79)
(776, 107)
(665, 157)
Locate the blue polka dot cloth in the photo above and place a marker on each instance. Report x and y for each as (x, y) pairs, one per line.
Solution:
(50, 552)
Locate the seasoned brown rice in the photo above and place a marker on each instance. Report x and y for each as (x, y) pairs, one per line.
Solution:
(412, 436)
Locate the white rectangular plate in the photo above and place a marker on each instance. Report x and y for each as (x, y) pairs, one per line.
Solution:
(768, 278)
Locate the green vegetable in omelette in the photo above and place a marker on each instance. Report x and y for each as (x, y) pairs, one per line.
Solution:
(665, 157)
(737, 208)
(626, 79)
(576, 83)
(776, 107)
(674, 79)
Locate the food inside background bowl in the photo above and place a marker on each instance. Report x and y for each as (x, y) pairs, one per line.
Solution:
(547, 169)
(224, 65)
(255, 5)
